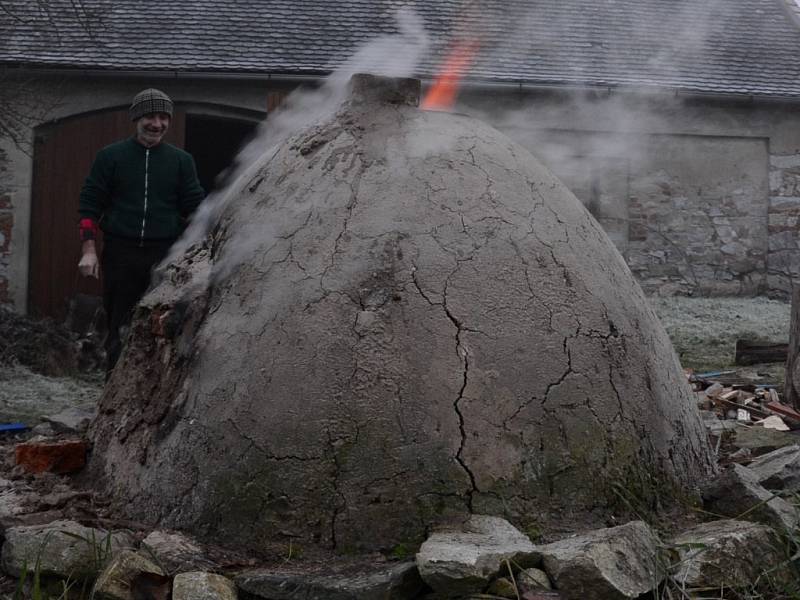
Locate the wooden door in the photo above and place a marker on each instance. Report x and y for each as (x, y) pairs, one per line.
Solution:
(63, 155)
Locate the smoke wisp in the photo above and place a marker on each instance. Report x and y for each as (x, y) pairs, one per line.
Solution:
(394, 55)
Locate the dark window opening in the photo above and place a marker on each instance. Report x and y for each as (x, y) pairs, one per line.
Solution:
(214, 143)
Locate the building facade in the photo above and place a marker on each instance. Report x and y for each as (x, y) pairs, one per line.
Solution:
(684, 146)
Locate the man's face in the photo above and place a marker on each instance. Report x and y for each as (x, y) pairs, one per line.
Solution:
(151, 128)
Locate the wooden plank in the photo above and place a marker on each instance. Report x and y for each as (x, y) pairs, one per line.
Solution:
(61, 164)
(785, 411)
(749, 352)
(792, 380)
(761, 414)
(38, 277)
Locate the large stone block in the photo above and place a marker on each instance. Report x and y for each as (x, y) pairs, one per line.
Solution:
(779, 469)
(737, 493)
(399, 581)
(465, 559)
(607, 564)
(203, 586)
(728, 554)
(62, 548)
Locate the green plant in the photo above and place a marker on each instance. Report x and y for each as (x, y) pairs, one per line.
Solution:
(400, 551)
(293, 551)
(36, 592)
(67, 590)
(100, 549)
(156, 560)
(513, 579)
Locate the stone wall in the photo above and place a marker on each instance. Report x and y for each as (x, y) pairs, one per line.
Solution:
(698, 206)
(688, 213)
(6, 229)
(783, 258)
(701, 196)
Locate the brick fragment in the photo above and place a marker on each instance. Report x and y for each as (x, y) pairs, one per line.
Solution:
(65, 456)
(6, 224)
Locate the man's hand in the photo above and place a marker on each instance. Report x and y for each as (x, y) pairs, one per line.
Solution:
(89, 265)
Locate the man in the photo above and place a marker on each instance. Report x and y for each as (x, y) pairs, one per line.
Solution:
(140, 192)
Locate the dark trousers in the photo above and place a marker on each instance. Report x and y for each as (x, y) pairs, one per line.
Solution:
(127, 267)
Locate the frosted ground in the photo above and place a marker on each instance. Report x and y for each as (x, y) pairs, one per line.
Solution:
(703, 330)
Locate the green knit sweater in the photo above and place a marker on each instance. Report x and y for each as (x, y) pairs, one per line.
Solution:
(141, 193)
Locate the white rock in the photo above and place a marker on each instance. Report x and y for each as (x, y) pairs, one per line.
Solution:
(464, 560)
(773, 422)
(202, 586)
(607, 564)
(176, 552)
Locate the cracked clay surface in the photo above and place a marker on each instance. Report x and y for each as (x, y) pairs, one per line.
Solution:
(415, 321)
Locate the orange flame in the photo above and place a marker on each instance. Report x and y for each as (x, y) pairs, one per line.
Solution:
(442, 94)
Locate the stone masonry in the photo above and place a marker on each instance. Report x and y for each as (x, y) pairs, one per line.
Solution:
(6, 225)
(783, 258)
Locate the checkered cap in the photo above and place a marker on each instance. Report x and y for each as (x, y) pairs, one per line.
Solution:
(150, 101)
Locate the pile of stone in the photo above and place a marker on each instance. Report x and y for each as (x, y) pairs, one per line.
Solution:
(484, 557)
(67, 555)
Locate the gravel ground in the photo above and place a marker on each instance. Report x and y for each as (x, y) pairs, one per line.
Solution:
(703, 330)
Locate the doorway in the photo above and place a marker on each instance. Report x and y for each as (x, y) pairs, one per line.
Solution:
(63, 155)
(214, 142)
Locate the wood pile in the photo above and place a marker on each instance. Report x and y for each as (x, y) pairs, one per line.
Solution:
(734, 398)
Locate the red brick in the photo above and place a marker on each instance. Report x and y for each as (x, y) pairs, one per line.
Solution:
(61, 457)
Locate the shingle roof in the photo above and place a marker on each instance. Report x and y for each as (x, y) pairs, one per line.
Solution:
(721, 46)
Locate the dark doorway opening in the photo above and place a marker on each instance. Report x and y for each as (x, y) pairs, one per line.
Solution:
(214, 143)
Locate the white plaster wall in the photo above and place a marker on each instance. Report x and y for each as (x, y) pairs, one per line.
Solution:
(17, 184)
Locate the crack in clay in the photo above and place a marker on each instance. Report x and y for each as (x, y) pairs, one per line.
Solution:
(354, 186)
(338, 508)
(463, 354)
(529, 283)
(606, 339)
(561, 379)
(266, 454)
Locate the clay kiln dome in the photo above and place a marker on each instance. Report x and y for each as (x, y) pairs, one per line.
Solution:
(411, 319)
